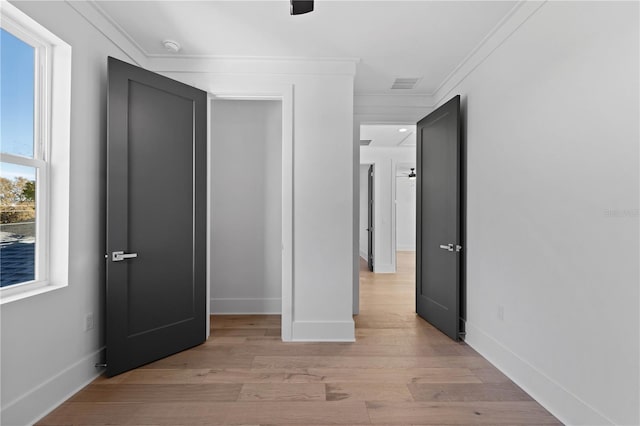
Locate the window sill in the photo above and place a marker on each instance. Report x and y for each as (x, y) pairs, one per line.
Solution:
(9, 294)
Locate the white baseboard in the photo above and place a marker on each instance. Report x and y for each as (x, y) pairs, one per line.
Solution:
(567, 407)
(324, 331)
(44, 398)
(364, 255)
(402, 247)
(245, 306)
(384, 268)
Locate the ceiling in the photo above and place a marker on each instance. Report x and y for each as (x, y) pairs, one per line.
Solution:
(392, 39)
(388, 135)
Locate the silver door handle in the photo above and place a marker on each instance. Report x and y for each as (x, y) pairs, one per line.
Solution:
(119, 256)
(451, 247)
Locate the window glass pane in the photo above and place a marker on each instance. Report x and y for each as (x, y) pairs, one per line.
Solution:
(17, 78)
(17, 224)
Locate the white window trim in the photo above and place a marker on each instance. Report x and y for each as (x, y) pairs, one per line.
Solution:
(52, 133)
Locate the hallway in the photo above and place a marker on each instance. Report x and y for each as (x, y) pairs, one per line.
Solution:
(399, 371)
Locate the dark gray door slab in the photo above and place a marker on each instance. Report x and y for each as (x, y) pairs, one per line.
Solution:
(439, 214)
(156, 209)
(370, 220)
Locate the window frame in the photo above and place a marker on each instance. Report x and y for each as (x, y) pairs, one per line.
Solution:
(52, 101)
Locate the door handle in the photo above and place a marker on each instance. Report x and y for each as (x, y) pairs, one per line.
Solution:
(119, 256)
(451, 247)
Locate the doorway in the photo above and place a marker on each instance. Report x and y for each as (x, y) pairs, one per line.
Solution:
(367, 214)
(246, 221)
(250, 199)
(386, 146)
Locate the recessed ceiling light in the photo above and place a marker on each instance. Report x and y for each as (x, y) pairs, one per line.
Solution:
(171, 46)
(402, 130)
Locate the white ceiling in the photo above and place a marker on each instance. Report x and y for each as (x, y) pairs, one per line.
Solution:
(388, 135)
(423, 39)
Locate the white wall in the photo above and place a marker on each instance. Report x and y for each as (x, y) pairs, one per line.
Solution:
(405, 214)
(246, 219)
(552, 134)
(46, 354)
(364, 211)
(323, 189)
(385, 161)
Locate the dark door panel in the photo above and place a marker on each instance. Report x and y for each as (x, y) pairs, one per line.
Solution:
(438, 208)
(370, 220)
(156, 209)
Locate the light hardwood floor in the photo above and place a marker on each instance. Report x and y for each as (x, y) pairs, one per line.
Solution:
(399, 371)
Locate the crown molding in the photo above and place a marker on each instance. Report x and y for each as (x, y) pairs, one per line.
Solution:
(501, 32)
(102, 22)
(508, 25)
(375, 105)
(106, 25)
(253, 65)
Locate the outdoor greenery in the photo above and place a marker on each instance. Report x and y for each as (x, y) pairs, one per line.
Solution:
(17, 200)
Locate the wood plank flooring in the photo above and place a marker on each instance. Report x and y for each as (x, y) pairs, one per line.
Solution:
(400, 371)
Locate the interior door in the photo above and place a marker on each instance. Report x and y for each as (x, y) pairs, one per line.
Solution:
(439, 214)
(156, 217)
(370, 228)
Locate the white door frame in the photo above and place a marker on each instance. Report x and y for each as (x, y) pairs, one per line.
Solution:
(283, 93)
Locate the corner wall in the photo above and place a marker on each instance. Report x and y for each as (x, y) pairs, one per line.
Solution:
(46, 354)
(552, 125)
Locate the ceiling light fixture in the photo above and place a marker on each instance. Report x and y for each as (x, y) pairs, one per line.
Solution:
(412, 174)
(298, 7)
(172, 46)
(402, 130)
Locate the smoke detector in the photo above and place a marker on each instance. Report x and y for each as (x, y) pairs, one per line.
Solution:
(172, 46)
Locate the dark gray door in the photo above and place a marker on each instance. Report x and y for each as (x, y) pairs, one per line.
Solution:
(156, 217)
(439, 215)
(370, 220)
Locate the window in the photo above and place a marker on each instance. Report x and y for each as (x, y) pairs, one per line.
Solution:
(35, 69)
(23, 170)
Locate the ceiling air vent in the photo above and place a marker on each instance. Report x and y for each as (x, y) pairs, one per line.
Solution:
(365, 142)
(405, 83)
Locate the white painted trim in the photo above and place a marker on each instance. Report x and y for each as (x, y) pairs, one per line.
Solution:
(102, 22)
(246, 306)
(25, 290)
(209, 211)
(393, 214)
(324, 331)
(507, 26)
(253, 66)
(560, 402)
(283, 93)
(38, 402)
(401, 247)
(384, 268)
(364, 254)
